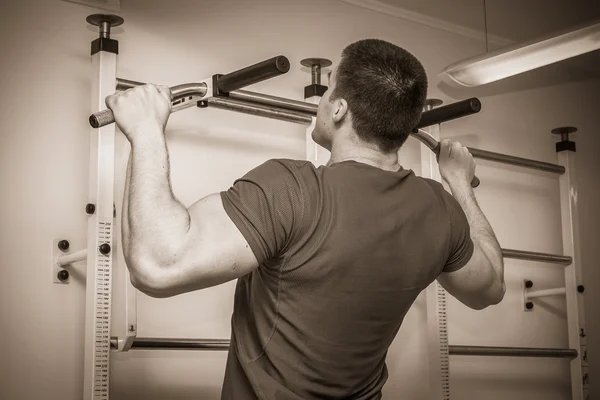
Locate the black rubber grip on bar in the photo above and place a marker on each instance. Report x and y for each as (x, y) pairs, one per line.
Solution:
(253, 74)
(449, 112)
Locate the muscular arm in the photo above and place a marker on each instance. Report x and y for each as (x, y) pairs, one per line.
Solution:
(480, 282)
(169, 249)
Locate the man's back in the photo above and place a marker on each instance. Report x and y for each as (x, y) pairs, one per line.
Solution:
(354, 247)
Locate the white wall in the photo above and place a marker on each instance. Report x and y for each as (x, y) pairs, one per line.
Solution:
(46, 78)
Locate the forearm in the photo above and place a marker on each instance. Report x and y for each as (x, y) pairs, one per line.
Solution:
(154, 221)
(125, 212)
(481, 232)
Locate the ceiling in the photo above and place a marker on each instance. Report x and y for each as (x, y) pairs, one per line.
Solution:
(514, 20)
(508, 21)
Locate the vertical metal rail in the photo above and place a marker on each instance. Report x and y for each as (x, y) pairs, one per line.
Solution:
(100, 223)
(437, 322)
(312, 94)
(573, 275)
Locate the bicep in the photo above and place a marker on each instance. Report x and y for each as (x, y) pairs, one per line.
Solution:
(470, 283)
(214, 251)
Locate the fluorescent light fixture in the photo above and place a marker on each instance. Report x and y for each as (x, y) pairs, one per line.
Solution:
(514, 60)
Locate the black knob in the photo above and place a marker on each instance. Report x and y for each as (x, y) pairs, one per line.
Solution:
(529, 305)
(63, 275)
(104, 248)
(580, 288)
(528, 284)
(90, 208)
(63, 245)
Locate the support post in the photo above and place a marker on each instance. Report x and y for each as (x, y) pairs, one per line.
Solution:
(100, 241)
(437, 324)
(312, 94)
(573, 276)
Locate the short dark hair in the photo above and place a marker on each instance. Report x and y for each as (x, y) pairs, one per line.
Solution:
(385, 87)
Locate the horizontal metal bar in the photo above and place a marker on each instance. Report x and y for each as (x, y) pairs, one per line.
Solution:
(545, 292)
(533, 256)
(522, 162)
(449, 112)
(274, 101)
(252, 74)
(432, 117)
(140, 343)
(512, 352)
(178, 92)
(72, 258)
(225, 103)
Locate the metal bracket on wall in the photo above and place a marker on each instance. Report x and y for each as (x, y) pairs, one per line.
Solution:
(61, 259)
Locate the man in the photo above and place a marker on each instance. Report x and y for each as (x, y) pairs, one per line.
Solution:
(329, 259)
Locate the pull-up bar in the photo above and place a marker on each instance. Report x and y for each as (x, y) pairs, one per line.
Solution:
(217, 85)
(228, 96)
(187, 95)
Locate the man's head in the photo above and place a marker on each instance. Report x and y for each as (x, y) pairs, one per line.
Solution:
(377, 92)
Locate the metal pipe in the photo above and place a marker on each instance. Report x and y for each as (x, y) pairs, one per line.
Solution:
(428, 118)
(522, 162)
(280, 102)
(72, 258)
(533, 256)
(225, 103)
(252, 74)
(545, 292)
(178, 92)
(183, 96)
(105, 30)
(512, 352)
(449, 112)
(179, 344)
(316, 74)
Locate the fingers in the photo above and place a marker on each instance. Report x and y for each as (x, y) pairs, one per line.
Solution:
(111, 100)
(450, 148)
(165, 91)
(447, 148)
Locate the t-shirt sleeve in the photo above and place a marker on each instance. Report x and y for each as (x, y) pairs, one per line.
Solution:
(266, 207)
(461, 244)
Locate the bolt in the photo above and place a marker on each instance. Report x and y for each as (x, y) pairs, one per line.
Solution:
(580, 288)
(63, 275)
(528, 284)
(63, 245)
(104, 248)
(90, 208)
(529, 305)
(131, 328)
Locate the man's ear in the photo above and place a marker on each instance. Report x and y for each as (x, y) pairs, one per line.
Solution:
(340, 110)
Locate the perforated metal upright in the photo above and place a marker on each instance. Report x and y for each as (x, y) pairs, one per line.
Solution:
(573, 275)
(100, 240)
(437, 325)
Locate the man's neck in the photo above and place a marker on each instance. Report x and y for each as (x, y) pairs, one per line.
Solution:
(366, 155)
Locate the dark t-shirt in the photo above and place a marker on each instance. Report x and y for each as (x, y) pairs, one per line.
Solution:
(344, 250)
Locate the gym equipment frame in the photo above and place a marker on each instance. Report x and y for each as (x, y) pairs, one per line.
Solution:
(105, 305)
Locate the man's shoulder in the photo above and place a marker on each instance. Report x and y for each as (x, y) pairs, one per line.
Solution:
(286, 166)
(289, 162)
(280, 171)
